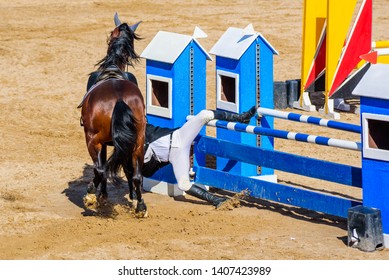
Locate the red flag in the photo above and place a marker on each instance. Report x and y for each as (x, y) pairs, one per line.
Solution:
(359, 43)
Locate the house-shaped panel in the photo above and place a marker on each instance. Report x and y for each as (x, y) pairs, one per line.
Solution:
(244, 77)
(175, 72)
(373, 90)
(175, 84)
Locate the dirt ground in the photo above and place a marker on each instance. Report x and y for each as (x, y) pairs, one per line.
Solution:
(47, 50)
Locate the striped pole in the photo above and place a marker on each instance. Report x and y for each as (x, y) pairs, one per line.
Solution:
(301, 137)
(309, 119)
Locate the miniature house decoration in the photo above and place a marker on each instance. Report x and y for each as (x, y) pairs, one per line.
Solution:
(244, 78)
(373, 90)
(176, 78)
(175, 84)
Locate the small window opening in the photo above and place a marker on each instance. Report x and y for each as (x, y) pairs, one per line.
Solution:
(159, 96)
(378, 134)
(160, 93)
(228, 89)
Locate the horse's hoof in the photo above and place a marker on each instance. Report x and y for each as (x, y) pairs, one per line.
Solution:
(102, 200)
(90, 201)
(142, 214)
(141, 210)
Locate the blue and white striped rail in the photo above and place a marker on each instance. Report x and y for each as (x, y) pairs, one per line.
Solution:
(309, 119)
(301, 137)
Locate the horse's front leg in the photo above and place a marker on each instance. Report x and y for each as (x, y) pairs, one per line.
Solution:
(137, 181)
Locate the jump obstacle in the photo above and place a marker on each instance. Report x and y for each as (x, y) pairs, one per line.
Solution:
(314, 168)
(246, 158)
(301, 137)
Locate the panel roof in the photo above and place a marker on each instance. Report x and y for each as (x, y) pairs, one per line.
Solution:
(167, 47)
(235, 41)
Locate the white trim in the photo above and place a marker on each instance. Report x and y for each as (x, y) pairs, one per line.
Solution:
(291, 135)
(368, 152)
(311, 138)
(231, 126)
(225, 105)
(158, 110)
(323, 122)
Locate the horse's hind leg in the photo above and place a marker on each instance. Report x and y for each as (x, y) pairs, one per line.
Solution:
(129, 171)
(98, 154)
(137, 181)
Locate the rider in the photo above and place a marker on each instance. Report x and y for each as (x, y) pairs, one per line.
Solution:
(164, 146)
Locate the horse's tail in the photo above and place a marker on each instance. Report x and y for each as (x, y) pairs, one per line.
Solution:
(123, 138)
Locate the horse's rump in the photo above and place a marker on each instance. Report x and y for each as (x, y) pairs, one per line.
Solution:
(101, 100)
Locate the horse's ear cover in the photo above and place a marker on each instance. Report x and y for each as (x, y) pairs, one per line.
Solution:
(118, 22)
(135, 26)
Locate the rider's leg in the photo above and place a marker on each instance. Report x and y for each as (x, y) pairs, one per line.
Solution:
(233, 117)
(179, 157)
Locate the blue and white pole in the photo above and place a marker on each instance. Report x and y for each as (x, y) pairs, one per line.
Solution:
(309, 119)
(301, 137)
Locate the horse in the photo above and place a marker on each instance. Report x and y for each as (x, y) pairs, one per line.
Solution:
(113, 113)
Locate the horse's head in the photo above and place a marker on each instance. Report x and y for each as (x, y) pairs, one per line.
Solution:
(118, 22)
(124, 30)
(121, 51)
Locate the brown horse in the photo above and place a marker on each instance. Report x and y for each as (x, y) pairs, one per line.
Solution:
(113, 113)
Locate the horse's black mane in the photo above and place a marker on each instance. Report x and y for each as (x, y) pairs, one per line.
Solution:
(121, 50)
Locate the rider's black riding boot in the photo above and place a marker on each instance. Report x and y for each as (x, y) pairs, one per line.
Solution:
(198, 192)
(233, 117)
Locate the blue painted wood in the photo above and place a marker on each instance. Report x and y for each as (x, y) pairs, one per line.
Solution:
(246, 68)
(165, 174)
(310, 167)
(279, 193)
(374, 105)
(180, 72)
(266, 93)
(375, 171)
(192, 61)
